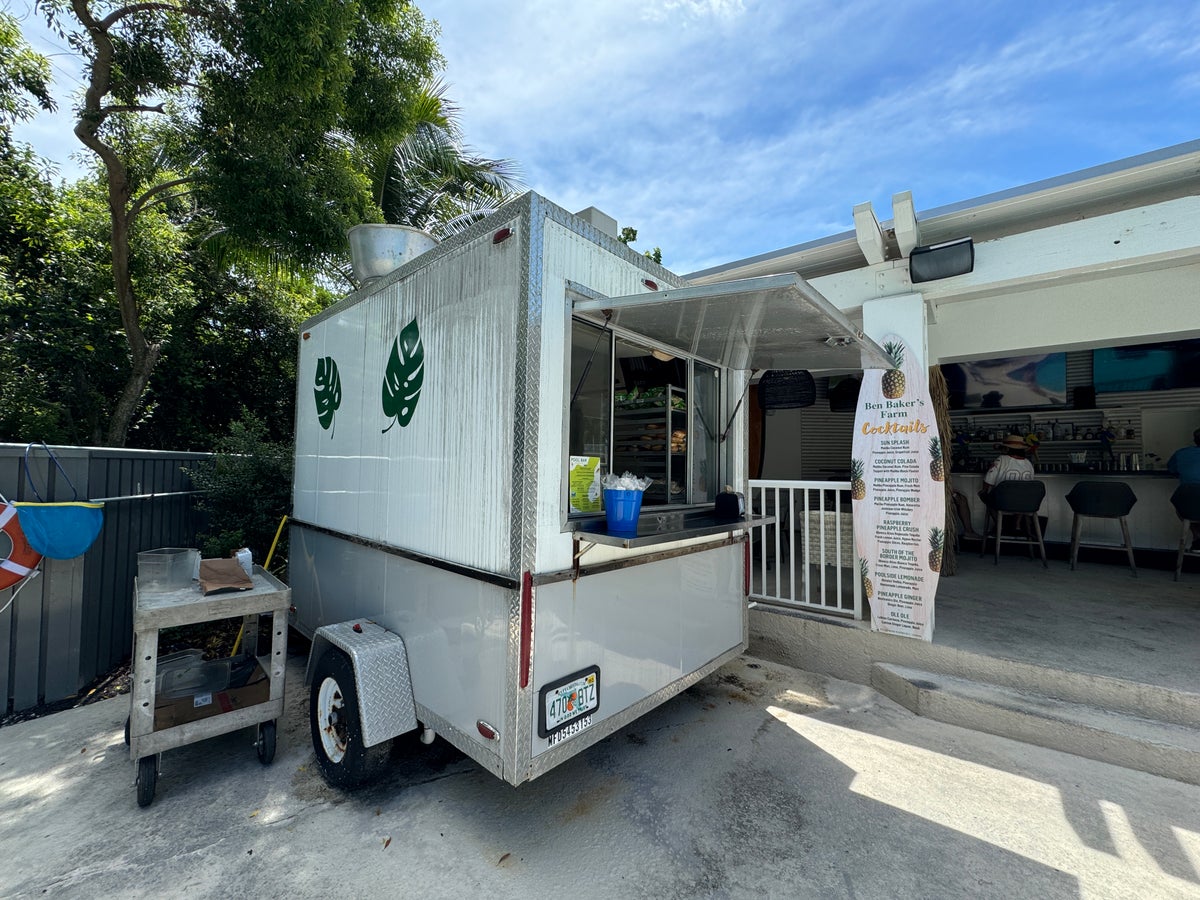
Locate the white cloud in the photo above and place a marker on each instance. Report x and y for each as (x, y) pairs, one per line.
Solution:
(693, 9)
(763, 128)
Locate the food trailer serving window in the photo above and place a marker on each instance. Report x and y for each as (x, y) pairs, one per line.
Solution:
(645, 410)
(665, 391)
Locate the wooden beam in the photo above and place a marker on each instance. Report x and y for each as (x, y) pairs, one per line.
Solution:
(869, 234)
(904, 214)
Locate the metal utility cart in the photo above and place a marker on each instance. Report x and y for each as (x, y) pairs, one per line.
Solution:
(153, 611)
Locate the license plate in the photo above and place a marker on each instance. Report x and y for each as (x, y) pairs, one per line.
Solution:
(567, 701)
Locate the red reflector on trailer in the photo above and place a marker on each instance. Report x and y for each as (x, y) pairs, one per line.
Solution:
(653, 285)
(526, 626)
(486, 730)
(501, 236)
(357, 628)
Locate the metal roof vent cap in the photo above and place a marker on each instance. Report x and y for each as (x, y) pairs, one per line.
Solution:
(376, 250)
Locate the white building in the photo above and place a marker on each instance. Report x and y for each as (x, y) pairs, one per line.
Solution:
(1078, 265)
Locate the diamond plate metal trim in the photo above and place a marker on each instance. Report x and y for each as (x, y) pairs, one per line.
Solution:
(522, 530)
(385, 699)
(484, 226)
(523, 533)
(464, 741)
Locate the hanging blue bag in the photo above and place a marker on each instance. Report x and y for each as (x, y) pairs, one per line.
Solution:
(59, 530)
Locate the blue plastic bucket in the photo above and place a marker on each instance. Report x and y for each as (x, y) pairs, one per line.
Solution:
(622, 508)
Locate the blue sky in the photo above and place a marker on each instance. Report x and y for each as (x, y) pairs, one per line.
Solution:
(722, 129)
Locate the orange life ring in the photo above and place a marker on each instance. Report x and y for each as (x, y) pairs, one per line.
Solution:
(22, 559)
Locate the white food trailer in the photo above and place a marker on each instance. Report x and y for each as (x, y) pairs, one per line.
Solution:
(450, 558)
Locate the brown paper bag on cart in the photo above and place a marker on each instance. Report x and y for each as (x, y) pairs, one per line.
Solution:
(223, 575)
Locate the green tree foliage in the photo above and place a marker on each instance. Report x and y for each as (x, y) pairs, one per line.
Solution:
(267, 114)
(58, 337)
(233, 347)
(24, 76)
(229, 338)
(629, 235)
(25, 202)
(432, 180)
(247, 489)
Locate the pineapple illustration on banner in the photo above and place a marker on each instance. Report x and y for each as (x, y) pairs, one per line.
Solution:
(897, 484)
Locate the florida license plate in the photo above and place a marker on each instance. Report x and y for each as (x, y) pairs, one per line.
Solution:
(568, 701)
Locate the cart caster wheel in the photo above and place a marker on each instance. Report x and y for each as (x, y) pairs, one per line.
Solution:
(266, 743)
(127, 731)
(147, 779)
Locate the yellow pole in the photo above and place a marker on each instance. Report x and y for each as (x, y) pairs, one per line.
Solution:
(271, 552)
(278, 531)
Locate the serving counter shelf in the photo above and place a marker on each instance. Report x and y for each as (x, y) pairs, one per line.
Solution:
(665, 527)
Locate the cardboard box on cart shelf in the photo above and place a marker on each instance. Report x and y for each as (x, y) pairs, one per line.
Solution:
(193, 707)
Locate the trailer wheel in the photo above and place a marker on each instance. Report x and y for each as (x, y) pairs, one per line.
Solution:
(336, 729)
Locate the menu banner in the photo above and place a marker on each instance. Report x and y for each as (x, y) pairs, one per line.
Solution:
(897, 483)
(583, 481)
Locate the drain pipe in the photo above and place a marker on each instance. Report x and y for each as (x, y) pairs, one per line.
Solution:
(427, 735)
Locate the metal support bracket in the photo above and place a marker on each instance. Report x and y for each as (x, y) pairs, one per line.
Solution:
(578, 555)
(386, 706)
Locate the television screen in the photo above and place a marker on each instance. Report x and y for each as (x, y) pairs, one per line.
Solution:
(1008, 383)
(1147, 367)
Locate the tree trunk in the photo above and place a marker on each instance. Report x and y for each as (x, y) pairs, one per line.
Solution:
(143, 354)
(131, 397)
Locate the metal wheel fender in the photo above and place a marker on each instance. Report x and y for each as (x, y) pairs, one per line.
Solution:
(386, 707)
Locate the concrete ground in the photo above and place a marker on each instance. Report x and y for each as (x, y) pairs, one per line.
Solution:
(1097, 619)
(761, 781)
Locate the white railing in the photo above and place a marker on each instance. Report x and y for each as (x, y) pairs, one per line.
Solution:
(805, 559)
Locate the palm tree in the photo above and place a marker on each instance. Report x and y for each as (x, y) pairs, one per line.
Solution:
(432, 180)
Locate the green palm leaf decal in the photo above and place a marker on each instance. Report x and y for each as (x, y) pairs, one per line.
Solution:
(402, 380)
(327, 391)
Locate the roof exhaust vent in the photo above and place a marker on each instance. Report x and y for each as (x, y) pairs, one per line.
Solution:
(376, 250)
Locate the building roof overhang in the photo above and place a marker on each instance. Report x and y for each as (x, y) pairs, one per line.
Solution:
(1137, 181)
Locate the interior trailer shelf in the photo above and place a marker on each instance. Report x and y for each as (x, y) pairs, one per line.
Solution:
(650, 440)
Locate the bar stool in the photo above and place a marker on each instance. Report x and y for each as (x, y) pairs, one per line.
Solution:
(1022, 499)
(1186, 501)
(1101, 500)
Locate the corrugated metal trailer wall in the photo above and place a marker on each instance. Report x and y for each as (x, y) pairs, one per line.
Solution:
(73, 622)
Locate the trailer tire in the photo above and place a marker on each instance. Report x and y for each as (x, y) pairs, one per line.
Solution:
(336, 728)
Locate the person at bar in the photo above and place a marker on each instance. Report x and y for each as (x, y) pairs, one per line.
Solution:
(1184, 464)
(1011, 466)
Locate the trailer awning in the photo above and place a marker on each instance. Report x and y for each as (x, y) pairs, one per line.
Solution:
(772, 322)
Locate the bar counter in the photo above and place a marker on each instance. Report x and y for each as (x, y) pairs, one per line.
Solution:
(1152, 521)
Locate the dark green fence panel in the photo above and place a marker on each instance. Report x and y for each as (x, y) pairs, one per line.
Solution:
(73, 623)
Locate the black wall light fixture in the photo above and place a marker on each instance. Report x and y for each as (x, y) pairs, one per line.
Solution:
(941, 260)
